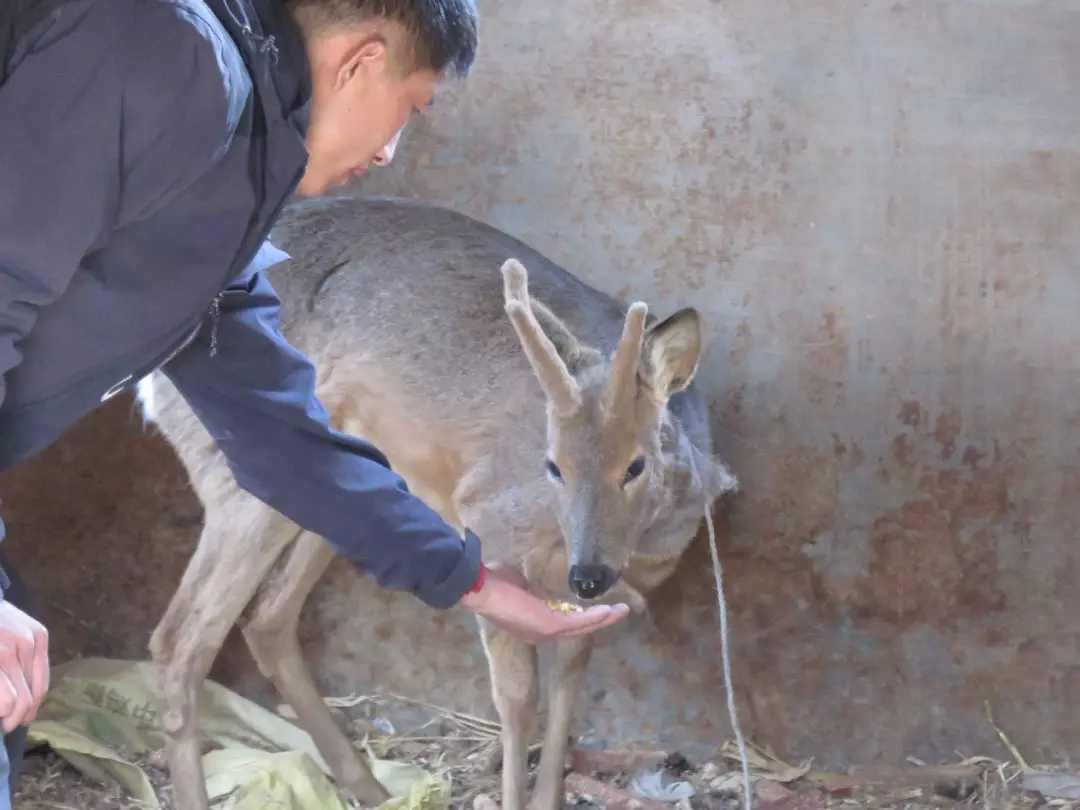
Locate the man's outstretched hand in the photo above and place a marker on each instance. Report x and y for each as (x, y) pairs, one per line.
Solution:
(504, 600)
(24, 667)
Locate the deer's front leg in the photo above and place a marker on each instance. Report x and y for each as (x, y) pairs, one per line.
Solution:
(513, 668)
(567, 673)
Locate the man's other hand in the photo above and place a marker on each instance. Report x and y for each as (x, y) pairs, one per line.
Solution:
(504, 600)
(24, 667)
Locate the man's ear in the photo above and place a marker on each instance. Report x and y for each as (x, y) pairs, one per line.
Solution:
(367, 53)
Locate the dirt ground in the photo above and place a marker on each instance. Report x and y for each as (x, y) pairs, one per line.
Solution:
(50, 784)
(466, 748)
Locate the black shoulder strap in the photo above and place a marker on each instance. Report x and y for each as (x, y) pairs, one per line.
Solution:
(9, 10)
(18, 17)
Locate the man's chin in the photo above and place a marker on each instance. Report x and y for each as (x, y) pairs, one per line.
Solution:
(313, 188)
(316, 186)
(308, 187)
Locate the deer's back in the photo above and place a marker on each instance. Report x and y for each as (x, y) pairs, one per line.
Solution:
(417, 289)
(413, 292)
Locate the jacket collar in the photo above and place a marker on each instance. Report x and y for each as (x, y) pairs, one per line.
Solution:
(273, 49)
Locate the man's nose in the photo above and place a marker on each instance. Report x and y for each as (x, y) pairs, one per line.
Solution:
(386, 154)
(591, 581)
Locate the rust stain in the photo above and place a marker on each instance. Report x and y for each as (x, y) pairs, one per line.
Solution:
(740, 344)
(839, 448)
(972, 456)
(821, 374)
(926, 564)
(801, 496)
(903, 450)
(858, 457)
(910, 413)
(947, 430)
(746, 114)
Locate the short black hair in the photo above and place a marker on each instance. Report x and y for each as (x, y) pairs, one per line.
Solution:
(443, 33)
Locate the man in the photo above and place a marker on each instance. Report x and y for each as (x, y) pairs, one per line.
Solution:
(146, 147)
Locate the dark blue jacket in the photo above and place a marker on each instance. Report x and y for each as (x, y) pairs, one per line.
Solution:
(146, 147)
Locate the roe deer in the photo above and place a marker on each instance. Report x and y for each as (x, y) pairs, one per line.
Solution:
(558, 424)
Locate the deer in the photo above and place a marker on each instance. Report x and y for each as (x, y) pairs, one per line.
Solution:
(560, 425)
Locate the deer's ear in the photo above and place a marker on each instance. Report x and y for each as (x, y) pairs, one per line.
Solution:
(670, 353)
(546, 341)
(574, 354)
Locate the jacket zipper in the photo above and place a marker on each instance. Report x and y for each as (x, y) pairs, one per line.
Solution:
(215, 312)
(215, 309)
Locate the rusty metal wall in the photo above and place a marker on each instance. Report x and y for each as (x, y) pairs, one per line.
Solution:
(875, 205)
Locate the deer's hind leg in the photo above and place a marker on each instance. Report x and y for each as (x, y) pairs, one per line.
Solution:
(271, 634)
(240, 541)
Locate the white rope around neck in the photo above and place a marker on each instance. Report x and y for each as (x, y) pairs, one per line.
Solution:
(748, 800)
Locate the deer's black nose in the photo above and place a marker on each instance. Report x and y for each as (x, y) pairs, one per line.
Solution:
(591, 581)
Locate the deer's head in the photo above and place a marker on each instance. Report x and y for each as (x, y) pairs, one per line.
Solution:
(628, 479)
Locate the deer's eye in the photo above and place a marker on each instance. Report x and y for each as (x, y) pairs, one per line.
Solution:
(553, 471)
(636, 468)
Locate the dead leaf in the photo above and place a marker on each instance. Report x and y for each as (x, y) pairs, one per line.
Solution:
(919, 775)
(769, 790)
(760, 760)
(835, 784)
(1053, 784)
(730, 782)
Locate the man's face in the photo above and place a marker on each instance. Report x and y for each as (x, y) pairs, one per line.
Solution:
(361, 101)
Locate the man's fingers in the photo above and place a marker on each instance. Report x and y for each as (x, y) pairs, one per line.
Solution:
(8, 696)
(593, 619)
(582, 631)
(12, 668)
(23, 661)
(24, 702)
(39, 669)
(32, 650)
(598, 614)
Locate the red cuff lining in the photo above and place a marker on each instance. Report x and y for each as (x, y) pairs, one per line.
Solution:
(479, 580)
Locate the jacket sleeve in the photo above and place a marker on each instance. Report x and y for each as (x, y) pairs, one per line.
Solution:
(256, 396)
(93, 92)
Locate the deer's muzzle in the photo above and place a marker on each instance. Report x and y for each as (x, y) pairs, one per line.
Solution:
(591, 581)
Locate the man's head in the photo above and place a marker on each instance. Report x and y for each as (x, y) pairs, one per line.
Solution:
(373, 64)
